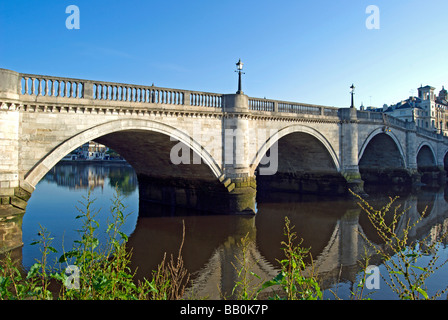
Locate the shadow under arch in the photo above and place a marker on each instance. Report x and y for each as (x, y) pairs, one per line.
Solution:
(38, 172)
(297, 128)
(382, 160)
(390, 134)
(426, 157)
(305, 162)
(427, 165)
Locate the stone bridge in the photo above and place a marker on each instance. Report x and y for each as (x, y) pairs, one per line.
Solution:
(203, 150)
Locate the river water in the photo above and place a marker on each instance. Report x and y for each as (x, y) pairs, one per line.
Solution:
(331, 227)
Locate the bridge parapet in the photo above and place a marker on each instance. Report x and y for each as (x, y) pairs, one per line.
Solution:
(52, 89)
(278, 106)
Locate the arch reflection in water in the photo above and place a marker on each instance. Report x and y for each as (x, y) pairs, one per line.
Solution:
(330, 226)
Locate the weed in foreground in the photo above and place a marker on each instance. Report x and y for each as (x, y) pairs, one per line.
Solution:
(404, 259)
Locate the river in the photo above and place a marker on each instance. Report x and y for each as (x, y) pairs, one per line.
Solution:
(331, 227)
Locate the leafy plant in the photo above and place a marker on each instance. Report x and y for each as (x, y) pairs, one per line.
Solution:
(245, 287)
(292, 279)
(406, 272)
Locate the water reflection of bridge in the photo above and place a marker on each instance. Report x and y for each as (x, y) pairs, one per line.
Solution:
(79, 175)
(332, 228)
(335, 236)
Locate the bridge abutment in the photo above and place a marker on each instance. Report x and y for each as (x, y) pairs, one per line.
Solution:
(349, 149)
(237, 178)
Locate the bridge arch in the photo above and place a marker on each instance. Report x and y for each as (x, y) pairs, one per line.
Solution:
(391, 135)
(275, 137)
(122, 125)
(382, 158)
(305, 162)
(426, 156)
(445, 161)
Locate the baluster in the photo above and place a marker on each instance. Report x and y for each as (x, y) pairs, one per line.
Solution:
(75, 89)
(53, 88)
(40, 87)
(48, 86)
(33, 86)
(147, 95)
(37, 87)
(71, 89)
(26, 85)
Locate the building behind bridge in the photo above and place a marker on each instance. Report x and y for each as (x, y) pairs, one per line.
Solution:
(427, 110)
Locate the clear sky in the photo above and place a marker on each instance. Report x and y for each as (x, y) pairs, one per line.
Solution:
(296, 50)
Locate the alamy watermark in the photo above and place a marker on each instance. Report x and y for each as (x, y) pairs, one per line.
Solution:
(373, 278)
(72, 281)
(73, 20)
(233, 147)
(373, 20)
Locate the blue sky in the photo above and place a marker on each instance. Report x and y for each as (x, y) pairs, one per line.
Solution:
(304, 51)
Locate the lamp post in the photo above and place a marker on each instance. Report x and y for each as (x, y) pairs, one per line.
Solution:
(239, 67)
(352, 93)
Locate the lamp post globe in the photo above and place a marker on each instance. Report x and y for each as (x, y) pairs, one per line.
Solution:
(352, 92)
(239, 67)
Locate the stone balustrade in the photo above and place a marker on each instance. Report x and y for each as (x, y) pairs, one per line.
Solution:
(101, 92)
(256, 104)
(36, 85)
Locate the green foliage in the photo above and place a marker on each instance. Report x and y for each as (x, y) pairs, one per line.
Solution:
(104, 270)
(292, 278)
(248, 283)
(406, 271)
